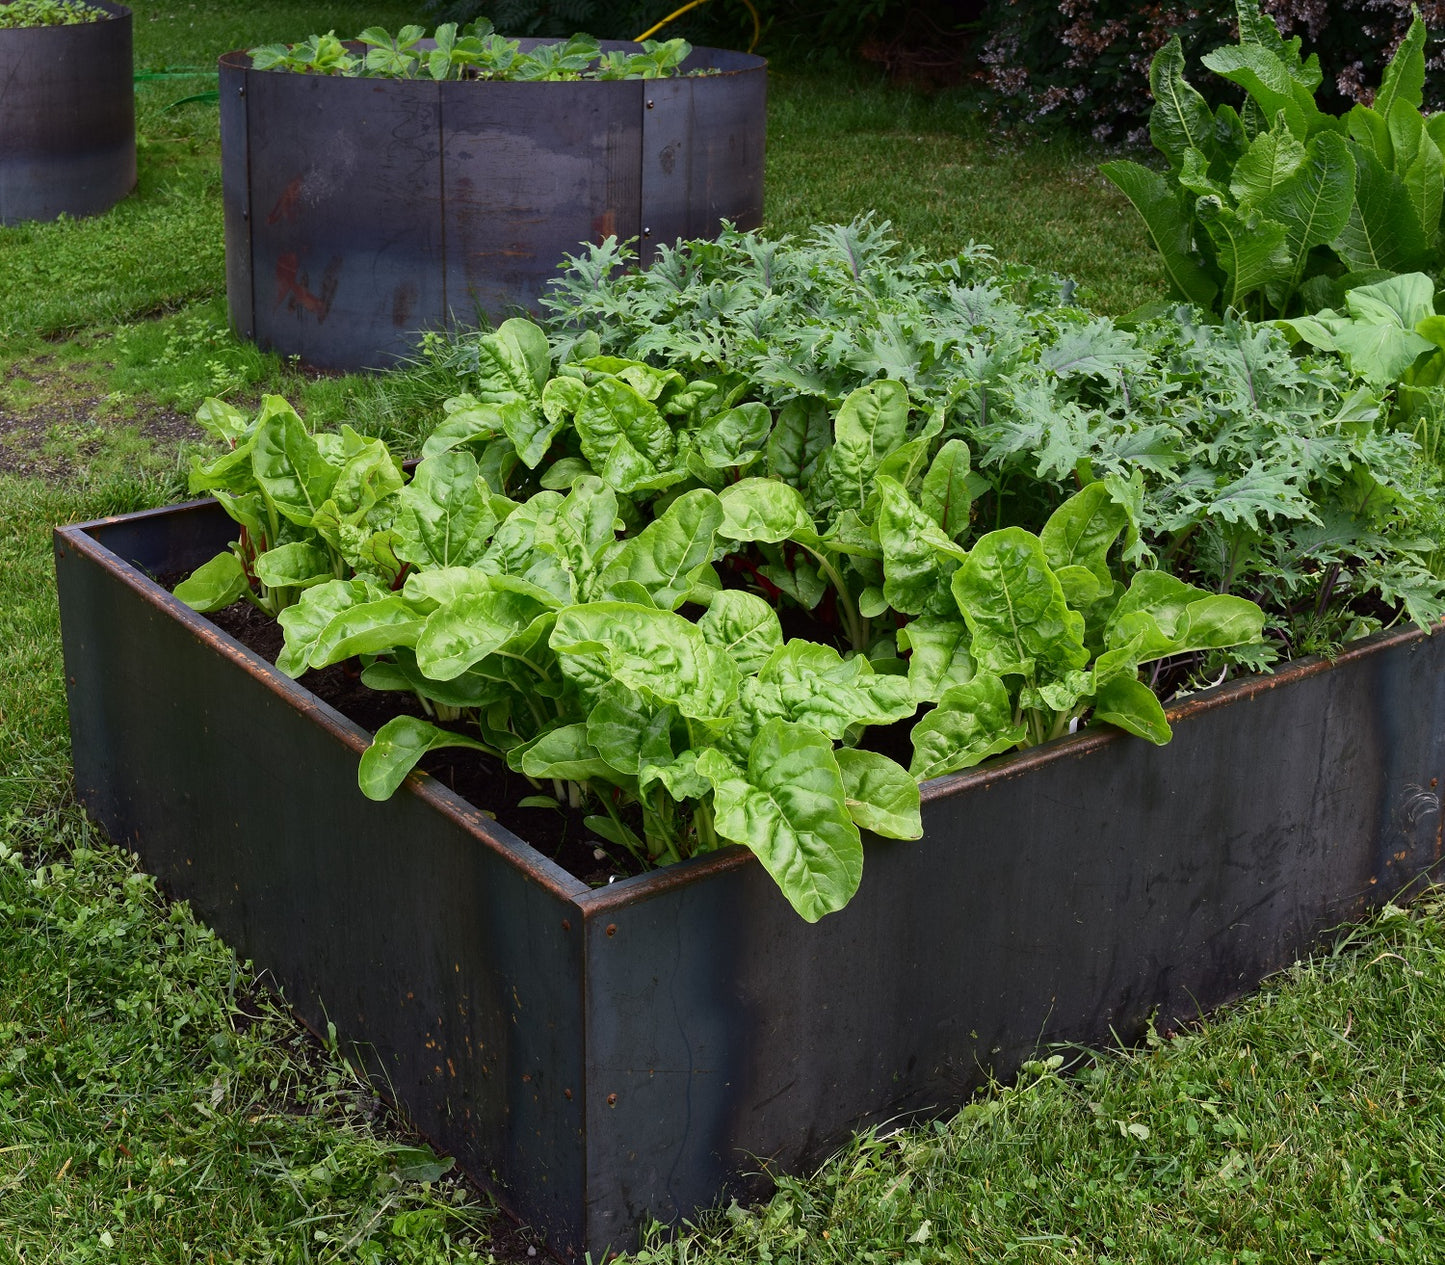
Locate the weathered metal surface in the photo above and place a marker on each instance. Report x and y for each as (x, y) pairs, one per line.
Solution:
(67, 118)
(420, 928)
(362, 211)
(666, 1033)
(342, 180)
(703, 139)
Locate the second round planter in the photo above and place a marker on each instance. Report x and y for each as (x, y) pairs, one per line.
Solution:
(359, 212)
(67, 118)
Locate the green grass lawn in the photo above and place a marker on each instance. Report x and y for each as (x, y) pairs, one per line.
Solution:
(159, 1104)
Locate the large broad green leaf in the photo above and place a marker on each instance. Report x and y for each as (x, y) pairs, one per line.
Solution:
(374, 627)
(395, 750)
(288, 463)
(812, 684)
(658, 653)
(799, 438)
(297, 564)
(564, 753)
(872, 422)
(1270, 84)
(1165, 212)
(1404, 79)
(668, 555)
(1419, 163)
(764, 510)
(743, 626)
(919, 558)
(1083, 530)
(1180, 119)
(305, 623)
(223, 421)
(471, 627)
(735, 437)
(970, 723)
(1126, 701)
(215, 584)
(946, 495)
(1313, 203)
(1382, 232)
(1271, 159)
(513, 363)
(629, 731)
(467, 421)
(444, 515)
(790, 807)
(938, 656)
(1252, 250)
(624, 436)
(1014, 606)
(880, 794)
(1161, 615)
(1370, 131)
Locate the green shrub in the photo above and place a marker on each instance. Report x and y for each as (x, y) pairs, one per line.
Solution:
(1278, 207)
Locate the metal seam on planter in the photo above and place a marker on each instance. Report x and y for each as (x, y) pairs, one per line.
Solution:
(516, 180)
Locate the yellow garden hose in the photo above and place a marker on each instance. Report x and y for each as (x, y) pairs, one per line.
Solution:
(692, 4)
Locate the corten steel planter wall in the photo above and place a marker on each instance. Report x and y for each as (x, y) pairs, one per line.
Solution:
(360, 211)
(604, 1055)
(67, 118)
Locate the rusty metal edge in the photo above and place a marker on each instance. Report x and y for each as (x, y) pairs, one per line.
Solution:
(496, 836)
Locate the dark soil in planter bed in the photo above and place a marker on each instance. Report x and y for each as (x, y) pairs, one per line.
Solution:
(489, 784)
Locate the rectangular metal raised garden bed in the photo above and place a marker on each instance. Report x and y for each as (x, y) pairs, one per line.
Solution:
(600, 1056)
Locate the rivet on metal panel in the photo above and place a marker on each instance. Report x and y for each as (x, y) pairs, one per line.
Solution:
(567, 1094)
(650, 104)
(566, 924)
(612, 1100)
(611, 928)
(241, 91)
(646, 232)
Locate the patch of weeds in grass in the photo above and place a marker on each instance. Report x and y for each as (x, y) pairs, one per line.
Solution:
(158, 1105)
(1303, 1124)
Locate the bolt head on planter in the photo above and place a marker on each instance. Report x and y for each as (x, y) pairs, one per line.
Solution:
(361, 211)
(67, 118)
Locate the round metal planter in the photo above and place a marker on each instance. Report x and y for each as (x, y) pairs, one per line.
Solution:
(361, 211)
(67, 118)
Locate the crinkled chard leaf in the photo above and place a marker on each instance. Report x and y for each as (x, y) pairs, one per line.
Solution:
(667, 557)
(290, 468)
(744, 627)
(444, 515)
(1014, 606)
(471, 627)
(214, 585)
(970, 723)
(880, 794)
(395, 750)
(789, 805)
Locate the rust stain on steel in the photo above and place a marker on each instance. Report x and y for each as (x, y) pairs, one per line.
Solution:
(285, 208)
(292, 288)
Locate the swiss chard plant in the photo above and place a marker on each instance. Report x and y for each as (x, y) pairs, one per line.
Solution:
(1276, 207)
(475, 51)
(18, 13)
(310, 507)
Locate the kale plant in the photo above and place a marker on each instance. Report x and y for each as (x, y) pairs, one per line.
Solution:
(1242, 468)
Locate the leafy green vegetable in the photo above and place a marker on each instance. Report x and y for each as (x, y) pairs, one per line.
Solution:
(473, 52)
(1278, 208)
